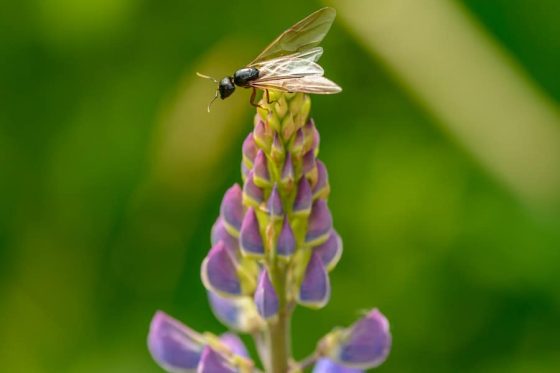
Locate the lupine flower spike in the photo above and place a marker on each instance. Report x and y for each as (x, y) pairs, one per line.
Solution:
(272, 248)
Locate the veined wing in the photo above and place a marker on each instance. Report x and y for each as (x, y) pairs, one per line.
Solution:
(287, 68)
(312, 55)
(306, 34)
(307, 84)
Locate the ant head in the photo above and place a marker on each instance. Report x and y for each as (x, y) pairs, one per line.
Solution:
(226, 87)
(217, 90)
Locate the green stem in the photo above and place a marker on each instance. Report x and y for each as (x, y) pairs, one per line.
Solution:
(279, 337)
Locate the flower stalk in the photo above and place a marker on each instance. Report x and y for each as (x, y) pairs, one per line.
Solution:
(273, 246)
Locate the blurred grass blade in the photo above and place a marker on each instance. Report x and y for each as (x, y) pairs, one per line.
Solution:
(470, 85)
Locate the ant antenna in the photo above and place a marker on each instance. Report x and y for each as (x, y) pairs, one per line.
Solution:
(206, 77)
(214, 99)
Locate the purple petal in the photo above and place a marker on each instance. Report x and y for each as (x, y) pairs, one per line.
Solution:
(308, 162)
(261, 134)
(286, 245)
(237, 313)
(311, 136)
(315, 289)
(219, 271)
(249, 150)
(275, 208)
(175, 347)
(234, 343)
(288, 170)
(320, 222)
(253, 194)
(231, 209)
(303, 201)
(244, 170)
(212, 362)
(261, 175)
(220, 233)
(322, 183)
(325, 365)
(367, 343)
(277, 151)
(265, 297)
(296, 147)
(250, 236)
(330, 251)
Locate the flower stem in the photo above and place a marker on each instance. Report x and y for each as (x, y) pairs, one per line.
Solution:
(279, 336)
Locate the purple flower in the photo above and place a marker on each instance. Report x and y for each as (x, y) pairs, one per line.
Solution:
(212, 362)
(237, 313)
(175, 347)
(250, 236)
(231, 209)
(320, 223)
(219, 271)
(265, 297)
(315, 289)
(325, 365)
(364, 345)
(330, 251)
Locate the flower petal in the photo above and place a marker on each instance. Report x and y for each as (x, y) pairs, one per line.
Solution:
(325, 365)
(265, 297)
(315, 288)
(231, 209)
(287, 177)
(320, 223)
(174, 346)
(275, 208)
(303, 201)
(321, 187)
(234, 343)
(286, 245)
(212, 362)
(366, 344)
(330, 251)
(249, 150)
(237, 313)
(220, 233)
(252, 194)
(261, 176)
(250, 236)
(219, 271)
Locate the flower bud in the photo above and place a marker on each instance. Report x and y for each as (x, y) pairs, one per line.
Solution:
(261, 176)
(320, 223)
(325, 365)
(321, 187)
(277, 152)
(315, 288)
(250, 237)
(262, 134)
(330, 251)
(237, 313)
(252, 194)
(235, 344)
(231, 209)
(213, 362)
(249, 151)
(308, 162)
(310, 135)
(174, 346)
(303, 200)
(275, 208)
(286, 245)
(220, 233)
(364, 345)
(266, 298)
(287, 177)
(296, 145)
(219, 271)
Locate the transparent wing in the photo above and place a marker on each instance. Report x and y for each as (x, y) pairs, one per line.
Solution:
(307, 84)
(286, 68)
(304, 35)
(312, 55)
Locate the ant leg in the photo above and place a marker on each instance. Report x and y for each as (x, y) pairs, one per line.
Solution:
(252, 99)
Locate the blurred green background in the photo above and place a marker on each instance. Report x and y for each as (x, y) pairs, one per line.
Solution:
(443, 153)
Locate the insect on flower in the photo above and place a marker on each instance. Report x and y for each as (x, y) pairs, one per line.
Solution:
(288, 64)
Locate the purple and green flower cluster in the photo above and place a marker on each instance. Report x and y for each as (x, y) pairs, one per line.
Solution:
(273, 246)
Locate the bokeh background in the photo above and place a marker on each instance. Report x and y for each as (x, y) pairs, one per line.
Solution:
(443, 152)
